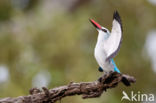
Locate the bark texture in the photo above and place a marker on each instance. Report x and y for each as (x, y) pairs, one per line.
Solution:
(86, 89)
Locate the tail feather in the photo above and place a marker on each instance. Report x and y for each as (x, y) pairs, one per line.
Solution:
(115, 67)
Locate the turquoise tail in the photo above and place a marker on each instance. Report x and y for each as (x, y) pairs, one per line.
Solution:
(115, 67)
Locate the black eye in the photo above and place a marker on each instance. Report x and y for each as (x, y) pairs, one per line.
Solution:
(104, 30)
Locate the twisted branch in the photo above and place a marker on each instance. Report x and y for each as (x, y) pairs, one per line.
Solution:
(86, 89)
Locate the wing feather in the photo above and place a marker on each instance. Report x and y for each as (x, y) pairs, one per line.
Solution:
(114, 41)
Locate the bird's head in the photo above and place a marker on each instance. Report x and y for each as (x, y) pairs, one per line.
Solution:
(102, 30)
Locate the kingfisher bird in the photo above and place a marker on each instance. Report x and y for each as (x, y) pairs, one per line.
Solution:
(108, 44)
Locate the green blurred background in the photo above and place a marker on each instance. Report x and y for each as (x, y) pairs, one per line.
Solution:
(51, 43)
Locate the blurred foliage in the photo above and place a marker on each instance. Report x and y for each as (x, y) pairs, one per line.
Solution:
(56, 36)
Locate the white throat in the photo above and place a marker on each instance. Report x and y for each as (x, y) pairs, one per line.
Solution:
(102, 36)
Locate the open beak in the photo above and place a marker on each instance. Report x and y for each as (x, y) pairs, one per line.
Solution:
(98, 26)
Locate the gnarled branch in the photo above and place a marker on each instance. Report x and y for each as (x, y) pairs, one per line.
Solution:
(86, 89)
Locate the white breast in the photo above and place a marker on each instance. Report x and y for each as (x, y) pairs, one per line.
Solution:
(100, 56)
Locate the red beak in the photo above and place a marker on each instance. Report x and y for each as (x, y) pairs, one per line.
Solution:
(98, 26)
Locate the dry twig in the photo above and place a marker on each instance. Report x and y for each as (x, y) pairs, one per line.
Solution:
(86, 89)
